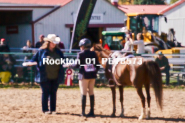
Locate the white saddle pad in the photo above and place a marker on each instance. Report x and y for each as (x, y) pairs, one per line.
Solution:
(120, 59)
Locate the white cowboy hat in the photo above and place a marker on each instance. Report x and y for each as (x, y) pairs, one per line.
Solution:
(124, 29)
(52, 38)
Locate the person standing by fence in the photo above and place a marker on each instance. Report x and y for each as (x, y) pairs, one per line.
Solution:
(140, 44)
(40, 42)
(4, 46)
(27, 49)
(49, 76)
(87, 73)
(128, 41)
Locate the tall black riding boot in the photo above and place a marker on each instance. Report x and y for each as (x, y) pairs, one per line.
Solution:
(83, 104)
(91, 113)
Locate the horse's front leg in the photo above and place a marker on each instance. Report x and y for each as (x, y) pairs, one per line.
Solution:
(121, 100)
(113, 89)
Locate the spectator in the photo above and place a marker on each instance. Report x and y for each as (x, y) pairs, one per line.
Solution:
(26, 48)
(140, 44)
(3, 46)
(163, 63)
(61, 45)
(100, 41)
(40, 42)
(172, 39)
(128, 42)
(122, 43)
(7, 63)
(128, 35)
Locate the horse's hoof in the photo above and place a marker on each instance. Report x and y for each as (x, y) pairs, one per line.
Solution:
(113, 115)
(141, 117)
(121, 115)
(148, 116)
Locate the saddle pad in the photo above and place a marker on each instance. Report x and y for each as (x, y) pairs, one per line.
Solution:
(117, 60)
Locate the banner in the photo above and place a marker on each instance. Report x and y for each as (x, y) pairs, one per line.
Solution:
(80, 27)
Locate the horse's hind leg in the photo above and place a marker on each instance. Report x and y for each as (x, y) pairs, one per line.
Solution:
(140, 93)
(121, 100)
(147, 87)
(113, 89)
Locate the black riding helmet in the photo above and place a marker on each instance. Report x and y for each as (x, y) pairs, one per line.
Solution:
(85, 42)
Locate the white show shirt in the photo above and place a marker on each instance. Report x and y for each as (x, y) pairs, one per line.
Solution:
(140, 46)
(127, 46)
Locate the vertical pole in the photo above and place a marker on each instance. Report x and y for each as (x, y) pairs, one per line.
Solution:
(31, 76)
(178, 79)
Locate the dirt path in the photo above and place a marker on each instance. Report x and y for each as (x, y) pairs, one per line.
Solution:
(24, 106)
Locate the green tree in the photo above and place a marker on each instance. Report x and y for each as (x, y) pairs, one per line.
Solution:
(149, 2)
(124, 1)
(173, 1)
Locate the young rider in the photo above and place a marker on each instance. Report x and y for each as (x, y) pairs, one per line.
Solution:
(88, 69)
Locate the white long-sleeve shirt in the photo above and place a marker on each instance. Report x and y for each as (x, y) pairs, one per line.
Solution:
(127, 46)
(140, 46)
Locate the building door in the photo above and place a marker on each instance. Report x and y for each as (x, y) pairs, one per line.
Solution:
(15, 27)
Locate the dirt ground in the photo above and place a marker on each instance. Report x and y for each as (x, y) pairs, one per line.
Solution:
(24, 106)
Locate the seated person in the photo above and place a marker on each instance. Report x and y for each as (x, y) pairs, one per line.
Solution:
(26, 48)
(140, 44)
(128, 42)
(163, 63)
(7, 68)
(4, 46)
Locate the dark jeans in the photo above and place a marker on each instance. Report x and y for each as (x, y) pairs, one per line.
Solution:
(13, 72)
(167, 72)
(49, 89)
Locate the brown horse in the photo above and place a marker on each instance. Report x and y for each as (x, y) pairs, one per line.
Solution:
(132, 74)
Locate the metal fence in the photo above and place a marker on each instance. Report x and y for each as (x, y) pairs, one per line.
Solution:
(26, 74)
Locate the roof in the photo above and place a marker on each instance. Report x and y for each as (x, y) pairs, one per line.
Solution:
(171, 6)
(134, 10)
(38, 2)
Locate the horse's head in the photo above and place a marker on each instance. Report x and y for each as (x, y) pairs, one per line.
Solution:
(97, 47)
(101, 52)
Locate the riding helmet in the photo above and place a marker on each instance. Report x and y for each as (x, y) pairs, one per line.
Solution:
(85, 42)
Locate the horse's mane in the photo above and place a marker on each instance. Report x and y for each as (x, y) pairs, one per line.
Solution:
(103, 52)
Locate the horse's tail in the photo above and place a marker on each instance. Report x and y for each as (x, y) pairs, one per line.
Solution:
(155, 77)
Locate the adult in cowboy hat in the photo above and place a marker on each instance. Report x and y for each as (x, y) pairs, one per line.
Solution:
(48, 76)
(163, 63)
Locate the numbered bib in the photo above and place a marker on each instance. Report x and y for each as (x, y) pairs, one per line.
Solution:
(89, 68)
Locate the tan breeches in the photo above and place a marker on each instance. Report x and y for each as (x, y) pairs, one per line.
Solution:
(87, 84)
